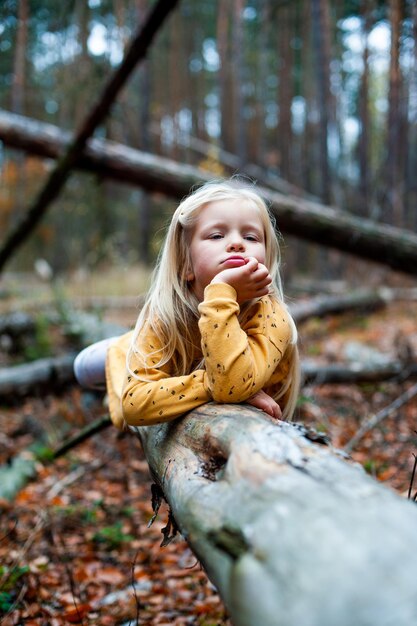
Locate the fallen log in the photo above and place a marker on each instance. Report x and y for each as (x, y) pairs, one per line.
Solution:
(53, 374)
(16, 324)
(307, 220)
(356, 373)
(342, 303)
(22, 468)
(289, 532)
(49, 374)
(15, 474)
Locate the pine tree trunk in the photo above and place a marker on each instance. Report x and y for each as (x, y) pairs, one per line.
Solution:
(364, 136)
(285, 56)
(393, 212)
(238, 82)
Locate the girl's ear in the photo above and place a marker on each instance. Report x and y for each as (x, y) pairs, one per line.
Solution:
(189, 276)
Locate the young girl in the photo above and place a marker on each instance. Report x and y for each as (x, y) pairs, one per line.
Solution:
(214, 326)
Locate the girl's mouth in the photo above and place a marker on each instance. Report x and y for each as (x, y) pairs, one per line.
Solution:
(234, 261)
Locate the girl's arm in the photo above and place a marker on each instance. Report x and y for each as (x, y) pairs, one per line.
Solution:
(240, 358)
(153, 396)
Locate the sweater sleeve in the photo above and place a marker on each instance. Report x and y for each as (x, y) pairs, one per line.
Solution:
(240, 357)
(153, 396)
(115, 375)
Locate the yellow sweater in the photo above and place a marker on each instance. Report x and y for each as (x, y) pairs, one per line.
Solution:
(240, 357)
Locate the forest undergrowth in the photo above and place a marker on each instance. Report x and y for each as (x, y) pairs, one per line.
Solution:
(75, 546)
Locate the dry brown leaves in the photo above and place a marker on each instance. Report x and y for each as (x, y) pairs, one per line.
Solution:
(75, 547)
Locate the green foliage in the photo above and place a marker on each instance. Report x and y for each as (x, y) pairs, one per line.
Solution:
(42, 452)
(10, 578)
(302, 400)
(113, 536)
(374, 467)
(41, 346)
(6, 601)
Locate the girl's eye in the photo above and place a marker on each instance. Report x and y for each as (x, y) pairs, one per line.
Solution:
(215, 236)
(251, 238)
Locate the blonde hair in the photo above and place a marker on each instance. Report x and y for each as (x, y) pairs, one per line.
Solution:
(171, 308)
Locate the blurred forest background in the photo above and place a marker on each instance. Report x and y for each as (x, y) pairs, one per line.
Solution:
(320, 94)
(316, 99)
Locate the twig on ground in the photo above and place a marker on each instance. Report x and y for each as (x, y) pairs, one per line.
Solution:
(67, 480)
(40, 522)
(132, 582)
(412, 478)
(95, 427)
(61, 552)
(72, 478)
(376, 419)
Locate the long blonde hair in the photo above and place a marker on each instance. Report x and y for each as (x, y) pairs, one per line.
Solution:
(171, 308)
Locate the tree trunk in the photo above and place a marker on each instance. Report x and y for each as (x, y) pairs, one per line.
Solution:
(308, 220)
(285, 89)
(144, 85)
(239, 122)
(258, 147)
(18, 105)
(411, 182)
(19, 62)
(395, 139)
(321, 39)
(363, 110)
(227, 114)
(287, 531)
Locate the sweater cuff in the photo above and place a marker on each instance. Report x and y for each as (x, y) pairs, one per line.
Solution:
(219, 290)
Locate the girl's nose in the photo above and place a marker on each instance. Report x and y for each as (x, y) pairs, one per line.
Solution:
(236, 245)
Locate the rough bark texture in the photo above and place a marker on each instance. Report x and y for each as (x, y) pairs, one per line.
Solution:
(308, 220)
(288, 531)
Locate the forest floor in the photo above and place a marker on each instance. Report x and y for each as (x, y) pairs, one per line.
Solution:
(75, 546)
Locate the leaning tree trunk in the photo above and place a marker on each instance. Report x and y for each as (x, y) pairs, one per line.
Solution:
(289, 532)
(305, 219)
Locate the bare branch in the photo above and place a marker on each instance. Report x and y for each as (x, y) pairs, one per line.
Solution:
(376, 419)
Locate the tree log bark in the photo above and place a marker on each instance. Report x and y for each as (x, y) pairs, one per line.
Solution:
(355, 373)
(16, 324)
(343, 303)
(287, 531)
(307, 220)
(50, 374)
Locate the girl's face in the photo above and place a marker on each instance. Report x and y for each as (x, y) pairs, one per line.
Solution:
(226, 232)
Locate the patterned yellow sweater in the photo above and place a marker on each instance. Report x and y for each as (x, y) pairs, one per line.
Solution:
(240, 358)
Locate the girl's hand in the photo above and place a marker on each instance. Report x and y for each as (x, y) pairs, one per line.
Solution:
(251, 280)
(262, 401)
